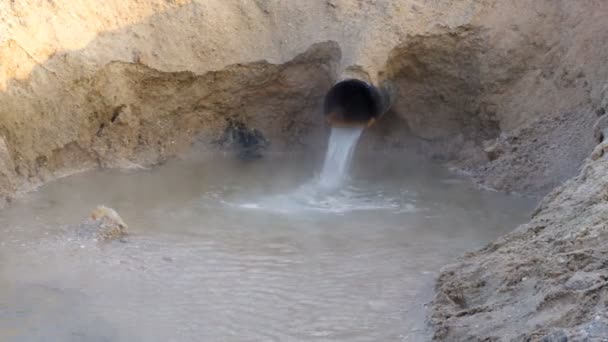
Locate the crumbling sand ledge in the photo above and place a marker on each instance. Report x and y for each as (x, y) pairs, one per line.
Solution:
(513, 92)
(546, 281)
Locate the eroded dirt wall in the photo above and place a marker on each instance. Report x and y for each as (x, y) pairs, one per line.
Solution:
(56, 55)
(130, 115)
(546, 281)
(512, 97)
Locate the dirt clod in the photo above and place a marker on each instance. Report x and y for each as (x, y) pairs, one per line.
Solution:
(106, 222)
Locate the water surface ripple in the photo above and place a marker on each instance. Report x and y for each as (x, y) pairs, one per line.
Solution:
(228, 251)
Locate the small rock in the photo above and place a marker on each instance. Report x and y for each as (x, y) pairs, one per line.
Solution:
(493, 151)
(110, 225)
(556, 336)
(595, 330)
(249, 142)
(599, 151)
(582, 281)
(600, 129)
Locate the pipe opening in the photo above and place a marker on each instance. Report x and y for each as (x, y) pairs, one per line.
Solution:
(353, 102)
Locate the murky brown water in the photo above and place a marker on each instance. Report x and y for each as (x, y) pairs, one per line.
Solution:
(228, 251)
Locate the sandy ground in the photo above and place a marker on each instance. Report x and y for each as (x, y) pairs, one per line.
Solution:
(546, 281)
(512, 92)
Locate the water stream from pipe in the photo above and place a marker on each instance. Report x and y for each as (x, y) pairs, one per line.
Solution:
(342, 143)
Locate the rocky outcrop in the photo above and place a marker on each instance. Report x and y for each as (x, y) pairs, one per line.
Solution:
(546, 281)
(511, 97)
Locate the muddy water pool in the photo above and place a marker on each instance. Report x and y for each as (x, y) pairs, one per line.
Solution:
(225, 250)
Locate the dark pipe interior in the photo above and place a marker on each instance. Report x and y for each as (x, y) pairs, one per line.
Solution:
(353, 102)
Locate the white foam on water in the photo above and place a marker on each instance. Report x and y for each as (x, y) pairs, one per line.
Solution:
(312, 197)
(328, 192)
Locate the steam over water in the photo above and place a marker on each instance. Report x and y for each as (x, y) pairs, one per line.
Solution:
(331, 191)
(342, 143)
(222, 250)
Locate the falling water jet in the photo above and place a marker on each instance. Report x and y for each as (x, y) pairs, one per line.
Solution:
(350, 106)
(342, 143)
